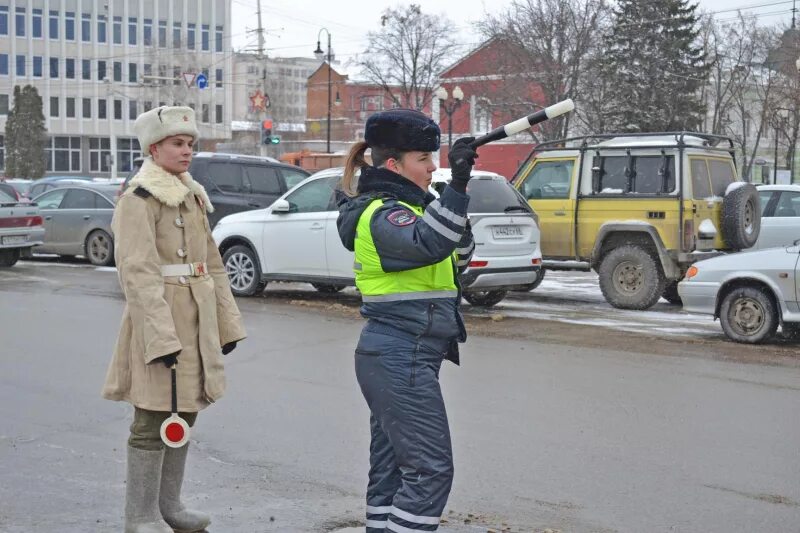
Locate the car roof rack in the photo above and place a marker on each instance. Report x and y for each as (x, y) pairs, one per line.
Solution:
(678, 139)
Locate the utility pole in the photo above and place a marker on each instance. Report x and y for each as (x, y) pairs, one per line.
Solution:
(261, 60)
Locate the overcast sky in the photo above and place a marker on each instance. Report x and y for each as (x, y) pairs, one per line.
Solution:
(292, 25)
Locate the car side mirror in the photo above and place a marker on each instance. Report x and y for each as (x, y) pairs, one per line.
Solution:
(281, 206)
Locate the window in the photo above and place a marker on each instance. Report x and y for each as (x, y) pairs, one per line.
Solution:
(263, 179)
(69, 25)
(292, 177)
(127, 151)
(19, 22)
(69, 68)
(36, 24)
(101, 70)
(132, 30)
(611, 176)
(721, 172)
(147, 29)
(20, 65)
(218, 40)
(70, 107)
(147, 106)
(101, 28)
(654, 174)
(483, 116)
(132, 109)
(86, 69)
(54, 106)
(78, 199)
(2, 153)
(176, 34)
(190, 31)
(3, 20)
(37, 66)
(102, 108)
(64, 154)
(117, 71)
(3, 104)
(312, 197)
(548, 179)
(765, 197)
(495, 196)
(637, 175)
(205, 118)
(218, 114)
(87, 108)
(701, 187)
(204, 37)
(99, 154)
(176, 75)
(117, 30)
(147, 70)
(162, 33)
(86, 27)
(53, 23)
(54, 67)
(218, 78)
(52, 199)
(133, 75)
(788, 204)
(4, 64)
(227, 178)
(117, 109)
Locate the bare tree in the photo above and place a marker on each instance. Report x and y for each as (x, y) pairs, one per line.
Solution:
(552, 41)
(407, 54)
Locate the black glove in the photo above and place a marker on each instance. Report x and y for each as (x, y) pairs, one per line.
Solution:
(462, 157)
(168, 360)
(228, 348)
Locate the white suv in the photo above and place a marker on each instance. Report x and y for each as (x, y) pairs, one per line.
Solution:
(296, 239)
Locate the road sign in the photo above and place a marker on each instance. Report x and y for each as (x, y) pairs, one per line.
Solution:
(201, 81)
(188, 77)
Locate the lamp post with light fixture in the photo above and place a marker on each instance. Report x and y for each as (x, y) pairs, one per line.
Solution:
(450, 108)
(319, 54)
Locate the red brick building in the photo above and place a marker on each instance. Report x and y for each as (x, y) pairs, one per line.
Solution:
(494, 94)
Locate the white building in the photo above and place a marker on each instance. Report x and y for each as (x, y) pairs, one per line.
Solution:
(97, 64)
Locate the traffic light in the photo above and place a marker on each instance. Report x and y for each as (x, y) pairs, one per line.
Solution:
(275, 139)
(266, 131)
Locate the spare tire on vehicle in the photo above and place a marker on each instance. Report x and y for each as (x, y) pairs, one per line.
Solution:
(741, 216)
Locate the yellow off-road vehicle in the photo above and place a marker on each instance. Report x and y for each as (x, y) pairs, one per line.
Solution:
(638, 208)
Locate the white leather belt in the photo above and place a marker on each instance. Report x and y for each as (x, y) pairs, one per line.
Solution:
(184, 269)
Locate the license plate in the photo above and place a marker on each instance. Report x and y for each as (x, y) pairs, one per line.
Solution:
(506, 232)
(15, 239)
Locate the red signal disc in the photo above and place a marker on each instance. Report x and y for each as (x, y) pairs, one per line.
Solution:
(174, 432)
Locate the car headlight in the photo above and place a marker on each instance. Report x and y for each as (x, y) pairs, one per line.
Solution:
(692, 272)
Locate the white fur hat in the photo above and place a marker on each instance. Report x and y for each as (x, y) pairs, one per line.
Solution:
(162, 122)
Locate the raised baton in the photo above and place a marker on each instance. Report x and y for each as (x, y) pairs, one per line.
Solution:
(555, 110)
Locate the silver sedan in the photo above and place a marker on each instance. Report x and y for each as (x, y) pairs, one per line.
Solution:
(750, 292)
(77, 221)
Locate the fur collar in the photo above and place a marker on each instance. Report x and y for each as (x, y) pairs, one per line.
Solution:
(168, 188)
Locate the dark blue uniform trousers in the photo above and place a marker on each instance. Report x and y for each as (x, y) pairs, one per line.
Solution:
(411, 459)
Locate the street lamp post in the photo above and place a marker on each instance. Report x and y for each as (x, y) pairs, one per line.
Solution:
(318, 52)
(779, 117)
(450, 108)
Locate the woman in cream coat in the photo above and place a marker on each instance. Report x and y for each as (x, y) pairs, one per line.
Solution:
(179, 311)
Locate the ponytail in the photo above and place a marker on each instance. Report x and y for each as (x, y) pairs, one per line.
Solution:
(355, 161)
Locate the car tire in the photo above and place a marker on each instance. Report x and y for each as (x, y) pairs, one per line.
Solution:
(741, 217)
(99, 248)
(244, 274)
(327, 288)
(748, 315)
(484, 298)
(9, 257)
(670, 293)
(631, 278)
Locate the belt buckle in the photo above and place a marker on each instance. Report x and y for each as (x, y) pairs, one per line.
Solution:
(197, 269)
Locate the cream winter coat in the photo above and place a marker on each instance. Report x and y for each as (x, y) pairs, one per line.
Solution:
(163, 223)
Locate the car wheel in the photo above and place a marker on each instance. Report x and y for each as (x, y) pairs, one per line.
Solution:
(670, 293)
(535, 284)
(9, 257)
(244, 274)
(630, 278)
(327, 287)
(749, 315)
(99, 248)
(484, 298)
(741, 217)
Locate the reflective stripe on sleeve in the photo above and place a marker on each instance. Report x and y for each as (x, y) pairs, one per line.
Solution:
(467, 250)
(403, 296)
(447, 214)
(440, 228)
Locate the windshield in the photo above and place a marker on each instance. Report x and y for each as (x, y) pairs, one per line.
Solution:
(494, 196)
(6, 199)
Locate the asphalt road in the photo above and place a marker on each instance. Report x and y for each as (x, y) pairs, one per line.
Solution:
(546, 435)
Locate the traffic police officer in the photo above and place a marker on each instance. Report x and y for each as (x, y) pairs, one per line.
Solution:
(179, 309)
(408, 249)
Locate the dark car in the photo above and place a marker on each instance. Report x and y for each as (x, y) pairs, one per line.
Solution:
(238, 183)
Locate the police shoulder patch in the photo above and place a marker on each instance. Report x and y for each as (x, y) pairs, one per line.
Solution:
(401, 217)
